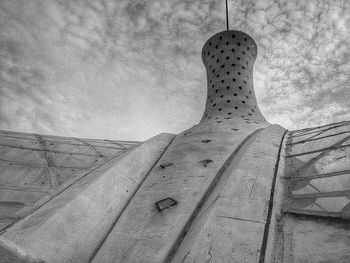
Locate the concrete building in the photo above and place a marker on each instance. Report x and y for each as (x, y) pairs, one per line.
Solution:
(233, 188)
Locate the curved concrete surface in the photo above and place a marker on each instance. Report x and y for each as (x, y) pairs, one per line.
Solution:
(70, 226)
(229, 189)
(229, 58)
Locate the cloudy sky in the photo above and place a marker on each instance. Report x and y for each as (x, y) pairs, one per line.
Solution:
(131, 69)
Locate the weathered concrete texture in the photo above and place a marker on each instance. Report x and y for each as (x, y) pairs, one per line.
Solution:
(274, 242)
(315, 240)
(315, 225)
(143, 234)
(318, 171)
(70, 227)
(229, 189)
(229, 58)
(194, 164)
(230, 225)
(34, 167)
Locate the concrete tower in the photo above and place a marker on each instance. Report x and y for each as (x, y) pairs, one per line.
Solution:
(229, 58)
(232, 188)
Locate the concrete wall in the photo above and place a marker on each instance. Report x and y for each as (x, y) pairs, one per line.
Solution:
(71, 226)
(315, 222)
(34, 168)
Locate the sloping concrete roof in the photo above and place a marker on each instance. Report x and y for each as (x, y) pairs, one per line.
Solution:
(232, 188)
(34, 167)
(318, 171)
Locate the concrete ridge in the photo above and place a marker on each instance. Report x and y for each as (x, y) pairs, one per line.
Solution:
(86, 209)
(94, 252)
(244, 144)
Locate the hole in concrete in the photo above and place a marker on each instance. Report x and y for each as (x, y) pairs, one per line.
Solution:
(222, 51)
(245, 39)
(233, 79)
(240, 87)
(238, 58)
(166, 165)
(214, 105)
(233, 50)
(228, 87)
(221, 96)
(216, 91)
(218, 60)
(236, 108)
(220, 38)
(227, 43)
(239, 73)
(235, 94)
(222, 66)
(165, 204)
(227, 58)
(206, 162)
(222, 81)
(216, 47)
(243, 101)
(228, 101)
(234, 129)
(233, 36)
(238, 44)
(206, 141)
(219, 109)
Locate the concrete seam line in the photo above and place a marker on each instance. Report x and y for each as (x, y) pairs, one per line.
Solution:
(269, 213)
(206, 195)
(98, 247)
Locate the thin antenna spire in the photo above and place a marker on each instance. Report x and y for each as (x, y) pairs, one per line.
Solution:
(227, 16)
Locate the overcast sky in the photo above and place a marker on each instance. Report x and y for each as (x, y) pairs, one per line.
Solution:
(129, 70)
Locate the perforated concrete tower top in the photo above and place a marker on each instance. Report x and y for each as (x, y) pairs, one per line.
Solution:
(229, 58)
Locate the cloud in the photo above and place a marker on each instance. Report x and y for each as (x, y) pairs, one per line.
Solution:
(132, 69)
